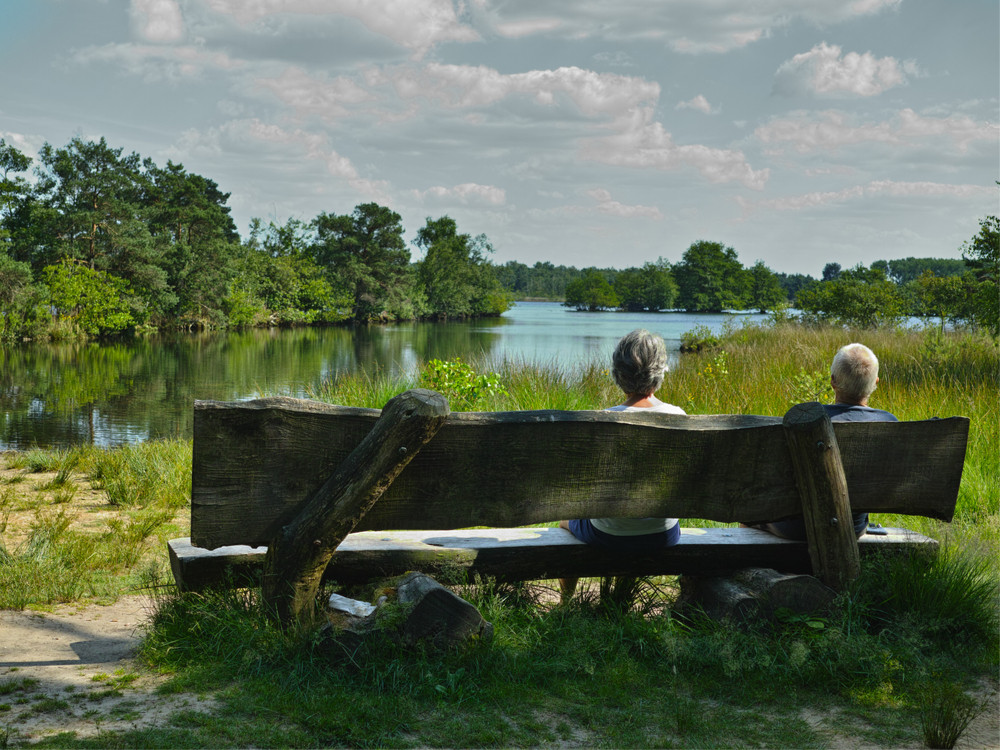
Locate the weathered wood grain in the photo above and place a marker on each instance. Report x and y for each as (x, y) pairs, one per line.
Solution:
(257, 462)
(523, 554)
(826, 508)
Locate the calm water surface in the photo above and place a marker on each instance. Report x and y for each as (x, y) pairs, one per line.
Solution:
(114, 393)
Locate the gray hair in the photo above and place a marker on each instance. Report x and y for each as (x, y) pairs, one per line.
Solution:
(855, 370)
(639, 362)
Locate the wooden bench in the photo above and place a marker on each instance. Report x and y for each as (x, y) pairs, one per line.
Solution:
(257, 463)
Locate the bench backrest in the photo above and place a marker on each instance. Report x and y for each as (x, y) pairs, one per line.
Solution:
(256, 462)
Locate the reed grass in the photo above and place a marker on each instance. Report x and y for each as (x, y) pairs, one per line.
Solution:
(64, 554)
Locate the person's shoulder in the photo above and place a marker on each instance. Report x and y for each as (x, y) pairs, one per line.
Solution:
(853, 413)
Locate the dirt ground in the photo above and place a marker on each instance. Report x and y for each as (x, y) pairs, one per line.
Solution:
(72, 670)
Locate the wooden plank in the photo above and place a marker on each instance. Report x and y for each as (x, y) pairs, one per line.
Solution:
(524, 554)
(256, 462)
(826, 508)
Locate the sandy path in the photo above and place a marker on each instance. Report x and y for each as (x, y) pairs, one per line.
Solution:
(72, 669)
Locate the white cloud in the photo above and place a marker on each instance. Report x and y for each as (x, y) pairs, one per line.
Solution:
(417, 25)
(157, 20)
(689, 26)
(330, 99)
(644, 144)
(260, 139)
(465, 86)
(826, 71)
(832, 129)
(699, 103)
(875, 188)
(467, 193)
(606, 205)
(157, 63)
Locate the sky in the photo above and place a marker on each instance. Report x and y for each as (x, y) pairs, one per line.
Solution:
(578, 132)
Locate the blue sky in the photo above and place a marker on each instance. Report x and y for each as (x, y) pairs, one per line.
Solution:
(583, 132)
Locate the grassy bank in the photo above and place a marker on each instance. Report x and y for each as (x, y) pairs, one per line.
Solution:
(911, 643)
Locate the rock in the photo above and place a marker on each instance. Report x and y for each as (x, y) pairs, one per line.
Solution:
(415, 609)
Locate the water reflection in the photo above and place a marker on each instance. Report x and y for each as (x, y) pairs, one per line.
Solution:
(113, 393)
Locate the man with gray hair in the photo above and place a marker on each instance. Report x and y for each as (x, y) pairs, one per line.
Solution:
(853, 375)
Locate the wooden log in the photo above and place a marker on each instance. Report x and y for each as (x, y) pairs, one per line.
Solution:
(826, 508)
(299, 554)
(752, 595)
(257, 462)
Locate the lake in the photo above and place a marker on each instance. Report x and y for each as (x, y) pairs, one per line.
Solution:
(59, 395)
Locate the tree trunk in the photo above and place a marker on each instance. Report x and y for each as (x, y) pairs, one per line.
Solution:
(298, 555)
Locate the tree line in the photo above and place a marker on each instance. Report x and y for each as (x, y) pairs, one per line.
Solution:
(710, 278)
(101, 241)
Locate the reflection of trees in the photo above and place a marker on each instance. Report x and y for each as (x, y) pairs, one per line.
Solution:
(111, 393)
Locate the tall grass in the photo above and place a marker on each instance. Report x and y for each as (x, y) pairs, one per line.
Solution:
(59, 559)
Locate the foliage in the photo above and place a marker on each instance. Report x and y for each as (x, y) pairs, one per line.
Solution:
(457, 278)
(982, 255)
(811, 386)
(860, 297)
(946, 712)
(698, 339)
(764, 290)
(710, 278)
(543, 280)
(459, 383)
(364, 251)
(95, 301)
(591, 292)
(651, 287)
(905, 270)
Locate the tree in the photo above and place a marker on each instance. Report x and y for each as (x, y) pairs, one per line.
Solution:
(905, 270)
(198, 243)
(456, 276)
(982, 255)
(365, 254)
(943, 297)
(13, 188)
(859, 297)
(764, 290)
(591, 291)
(95, 301)
(23, 312)
(710, 278)
(648, 288)
(831, 271)
(792, 284)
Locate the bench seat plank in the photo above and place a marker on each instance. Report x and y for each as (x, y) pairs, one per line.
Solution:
(523, 554)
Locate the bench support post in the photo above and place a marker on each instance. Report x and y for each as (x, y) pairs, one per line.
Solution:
(826, 508)
(299, 554)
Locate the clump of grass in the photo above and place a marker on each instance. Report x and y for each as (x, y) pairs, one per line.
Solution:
(144, 474)
(952, 597)
(946, 712)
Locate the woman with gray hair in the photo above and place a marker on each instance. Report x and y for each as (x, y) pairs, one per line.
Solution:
(638, 365)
